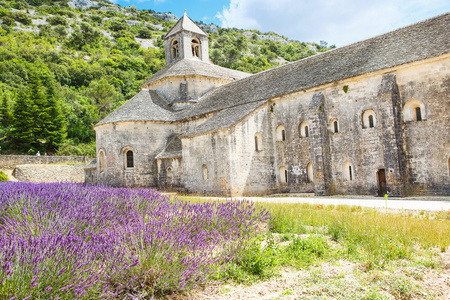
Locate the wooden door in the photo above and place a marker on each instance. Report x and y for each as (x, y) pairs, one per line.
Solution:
(381, 177)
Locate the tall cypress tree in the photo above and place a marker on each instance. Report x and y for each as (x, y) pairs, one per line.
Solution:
(21, 132)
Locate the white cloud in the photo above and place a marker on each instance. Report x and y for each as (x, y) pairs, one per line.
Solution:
(336, 21)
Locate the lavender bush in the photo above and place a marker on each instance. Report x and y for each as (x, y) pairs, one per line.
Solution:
(67, 240)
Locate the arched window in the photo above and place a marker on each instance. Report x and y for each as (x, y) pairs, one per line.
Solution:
(258, 142)
(348, 171)
(101, 161)
(414, 110)
(368, 118)
(205, 172)
(174, 48)
(281, 133)
(310, 172)
(129, 159)
(283, 175)
(169, 175)
(333, 125)
(196, 48)
(304, 130)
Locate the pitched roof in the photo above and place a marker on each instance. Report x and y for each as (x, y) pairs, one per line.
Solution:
(225, 118)
(426, 39)
(416, 42)
(185, 24)
(173, 148)
(187, 66)
(139, 108)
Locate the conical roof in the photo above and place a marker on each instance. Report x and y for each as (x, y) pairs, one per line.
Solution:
(185, 24)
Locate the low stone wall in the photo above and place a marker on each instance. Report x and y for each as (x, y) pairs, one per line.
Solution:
(11, 161)
(49, 173)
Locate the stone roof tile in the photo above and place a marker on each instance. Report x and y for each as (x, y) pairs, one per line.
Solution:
(173, 148)
(185, 67)
(426, 39)
(186, 24)
(225, 118)
(139, 108)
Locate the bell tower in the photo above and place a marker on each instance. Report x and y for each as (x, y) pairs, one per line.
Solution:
(186, 41)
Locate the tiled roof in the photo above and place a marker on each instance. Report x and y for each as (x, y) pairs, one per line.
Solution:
(173, 148)
(225, 118)
(231, 101)
(139, 108)
(187, 66)
(426, 39)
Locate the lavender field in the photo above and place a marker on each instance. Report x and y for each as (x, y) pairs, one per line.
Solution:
(72, 241)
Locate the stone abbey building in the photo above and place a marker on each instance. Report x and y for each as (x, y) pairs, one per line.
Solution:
(367, 118)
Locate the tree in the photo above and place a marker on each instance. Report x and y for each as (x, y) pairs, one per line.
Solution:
(5, 112)
(85, 35)
(104, 95)
(232, 54)
(117, 25)
(21, 132)
(145, 33)
(39, 108)
(55, 131)
(216, 56)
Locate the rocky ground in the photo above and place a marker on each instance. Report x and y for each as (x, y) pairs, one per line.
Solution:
(342, 280)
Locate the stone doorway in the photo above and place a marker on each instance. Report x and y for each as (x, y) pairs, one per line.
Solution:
(381, 178)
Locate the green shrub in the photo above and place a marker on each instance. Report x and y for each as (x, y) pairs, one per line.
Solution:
(145, 33)
(22, 18)
(3, 176)
(57, 20)
(72, 149)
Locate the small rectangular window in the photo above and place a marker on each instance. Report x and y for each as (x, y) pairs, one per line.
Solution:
(336, 126)
(350, 172)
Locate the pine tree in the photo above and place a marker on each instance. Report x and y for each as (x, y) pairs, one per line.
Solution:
(5, 112)
(55, 132)
(40, 115)
(21, 132)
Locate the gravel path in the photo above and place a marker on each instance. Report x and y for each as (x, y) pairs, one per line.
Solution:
(429, 203)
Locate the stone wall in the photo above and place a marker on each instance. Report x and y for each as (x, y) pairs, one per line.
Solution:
(11, 161)
(49, 173)
(145, 139)
(206, 163)
(426, 145)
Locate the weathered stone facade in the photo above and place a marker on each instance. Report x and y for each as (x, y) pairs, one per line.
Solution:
(369, 118)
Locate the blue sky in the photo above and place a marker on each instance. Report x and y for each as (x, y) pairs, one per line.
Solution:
(338, 22)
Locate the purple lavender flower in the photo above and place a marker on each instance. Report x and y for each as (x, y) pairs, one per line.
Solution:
(74, 240)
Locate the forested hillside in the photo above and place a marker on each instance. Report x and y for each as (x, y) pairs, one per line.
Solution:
(64, 68)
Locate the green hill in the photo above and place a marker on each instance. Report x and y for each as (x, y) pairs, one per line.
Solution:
(62, 69)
